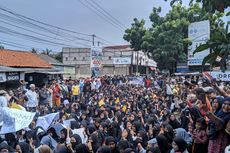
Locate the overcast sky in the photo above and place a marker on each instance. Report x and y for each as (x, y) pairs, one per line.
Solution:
(73, 15)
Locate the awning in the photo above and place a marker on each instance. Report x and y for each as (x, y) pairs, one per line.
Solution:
(54, 72)
(188, 74)
(10, 69)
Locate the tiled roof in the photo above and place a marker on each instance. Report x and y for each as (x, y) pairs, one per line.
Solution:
(118, 47)
(14, 58)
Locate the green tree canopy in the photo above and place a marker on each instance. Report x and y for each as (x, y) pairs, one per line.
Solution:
(135, 34)
(47, 51)
(33, 50)
(166, 41)
(209, 5)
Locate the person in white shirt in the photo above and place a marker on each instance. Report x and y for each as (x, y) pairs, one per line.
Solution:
(93, 85)
(3, 99)
(32, 97)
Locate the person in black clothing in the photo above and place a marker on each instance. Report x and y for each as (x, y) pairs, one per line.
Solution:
(110, 141)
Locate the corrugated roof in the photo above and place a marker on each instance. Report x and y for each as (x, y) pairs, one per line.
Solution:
(10, 69)
(49, 59)
(13, 58)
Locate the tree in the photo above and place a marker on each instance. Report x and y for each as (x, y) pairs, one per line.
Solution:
(33, 50)
(47, 51)
(57, 56)
(209, 5)
(1, 47)
(213, 5)
(167, 40)
(219, 44)
(135, 34)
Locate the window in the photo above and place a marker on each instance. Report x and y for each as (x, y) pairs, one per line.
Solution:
(109, 57)
(66, 58)
(83, 58)
(75, 59)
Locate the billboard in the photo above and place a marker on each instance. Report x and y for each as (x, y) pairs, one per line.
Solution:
(199, 33)
(122, 60)
(96, 60)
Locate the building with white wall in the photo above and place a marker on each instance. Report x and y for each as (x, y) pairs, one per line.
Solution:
(116, 60)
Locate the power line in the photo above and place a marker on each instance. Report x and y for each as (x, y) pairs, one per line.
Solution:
(13, 32)
(104, 14)
(22, 16)
(39, 33)
(56, 27)
(17, 44)
(12, 19)
(13, 45)
(104, 18)
(25, 22)
(105, 40)
(107, 13)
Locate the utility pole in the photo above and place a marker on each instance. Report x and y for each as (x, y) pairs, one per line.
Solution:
(137, 68)
(93, 37)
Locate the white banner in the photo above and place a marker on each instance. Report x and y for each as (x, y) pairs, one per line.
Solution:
(136, 81)
(122, 60)
(46, 121)
(221, 76)
(14, 119)
(67, 123)
(80, 132)
(199, 33)
(2, 77)
(58, 127)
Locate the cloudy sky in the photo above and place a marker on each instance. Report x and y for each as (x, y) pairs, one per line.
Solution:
(82, 16)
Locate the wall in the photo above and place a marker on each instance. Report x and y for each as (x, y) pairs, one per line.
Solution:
(75, 56)
(80, 58)
(69, 71)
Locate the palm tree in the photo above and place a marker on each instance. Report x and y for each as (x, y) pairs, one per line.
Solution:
(33, 50)
(47, 51)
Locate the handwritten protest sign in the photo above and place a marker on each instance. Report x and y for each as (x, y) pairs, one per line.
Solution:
(46, 121)
(14, 119)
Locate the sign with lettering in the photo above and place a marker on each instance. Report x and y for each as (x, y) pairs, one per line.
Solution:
(122, 60)
(220, 75)
(96, 60)
(198, 33)
(11, 76)
(14, 119)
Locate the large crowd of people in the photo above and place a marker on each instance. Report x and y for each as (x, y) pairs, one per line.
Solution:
(161, 115)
